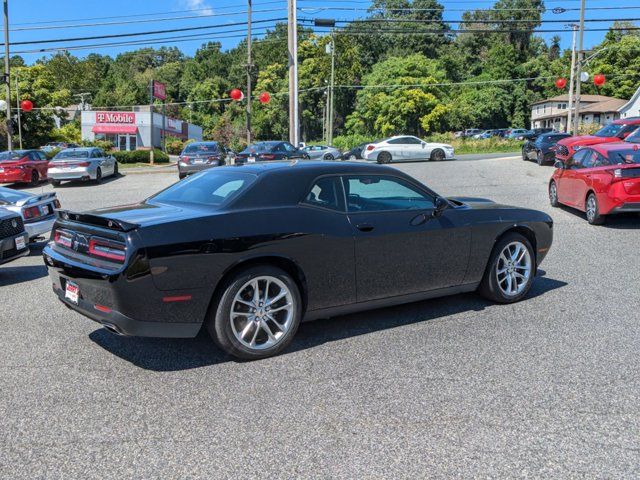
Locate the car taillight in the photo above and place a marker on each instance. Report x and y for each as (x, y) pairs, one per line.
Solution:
(185, 160)
(63, 238)
(268, 156)
(31, 212)
(82, 164)
(370, 147)
(101, 247)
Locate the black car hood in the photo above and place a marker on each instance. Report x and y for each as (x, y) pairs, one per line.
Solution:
(150, 213)
(479, 203)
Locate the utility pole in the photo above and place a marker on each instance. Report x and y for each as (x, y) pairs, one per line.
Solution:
(294, 124)
(19, 111)
(576, 119)
(249, 68)
(331, 88)
(7, 70)
(569, 125)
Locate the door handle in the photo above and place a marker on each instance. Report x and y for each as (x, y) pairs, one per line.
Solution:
(365, 227)
(418, 220)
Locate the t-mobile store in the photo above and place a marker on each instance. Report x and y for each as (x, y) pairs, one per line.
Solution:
(135, 130)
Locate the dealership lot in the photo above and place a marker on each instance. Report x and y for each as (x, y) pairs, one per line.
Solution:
(454, 387)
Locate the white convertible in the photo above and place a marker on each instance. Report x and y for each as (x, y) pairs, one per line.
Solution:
(406, 147)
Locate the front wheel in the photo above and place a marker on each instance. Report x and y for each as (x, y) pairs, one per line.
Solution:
(437, 155)
(258, 313)
(539, 158)
(593, 210)
(352, 158)
(328, 157)
(553, 195)
(115, 169)
(99, 175)
(55, 183)
(510, 271)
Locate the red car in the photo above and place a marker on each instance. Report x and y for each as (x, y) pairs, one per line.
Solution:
(600, 180)
(23, 166)
(614, 132)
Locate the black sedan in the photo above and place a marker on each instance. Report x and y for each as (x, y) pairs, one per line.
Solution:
(251, 251)
(269, 152)
(541, 148)
(355, 153)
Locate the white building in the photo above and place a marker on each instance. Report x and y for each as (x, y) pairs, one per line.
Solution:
(632, 107)
(133, 130)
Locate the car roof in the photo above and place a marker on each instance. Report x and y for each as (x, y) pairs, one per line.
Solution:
(614, 146)
(209, 142)
(80, 149)
(627, 121)
(308, 167)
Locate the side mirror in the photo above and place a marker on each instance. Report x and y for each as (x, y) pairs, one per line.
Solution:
(559, 164)
(440, 205)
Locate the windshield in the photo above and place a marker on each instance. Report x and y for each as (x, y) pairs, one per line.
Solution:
(211, 188)
(619, 157)
(4, 156)
(72, 154)
(634, 137)
(615, 130)
(196, 148)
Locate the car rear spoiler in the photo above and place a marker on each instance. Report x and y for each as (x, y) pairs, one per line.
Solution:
(97, 220)
(35, 199)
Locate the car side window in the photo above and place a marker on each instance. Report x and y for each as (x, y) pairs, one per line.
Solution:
(576, 160)
(589, 160)
(279, 148)
(413, 141)
(371, 193)
(42, 156)
(326, 192)
(601, 161)
(288, 147)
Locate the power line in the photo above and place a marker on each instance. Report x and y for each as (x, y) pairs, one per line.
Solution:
(308, 10)
(148, 20)
(490, 22)
(137, 34)
(144, 14)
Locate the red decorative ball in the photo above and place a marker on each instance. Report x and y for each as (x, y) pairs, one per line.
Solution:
(561, 82)
(265, 97)
(26, 105)
(237, 95)
(599, 79)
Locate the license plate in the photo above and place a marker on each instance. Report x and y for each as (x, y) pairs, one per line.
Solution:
(251, 159)
(72, 292)
(20, 243)
(198, 161)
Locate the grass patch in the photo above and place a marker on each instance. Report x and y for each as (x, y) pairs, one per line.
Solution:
(124, 166)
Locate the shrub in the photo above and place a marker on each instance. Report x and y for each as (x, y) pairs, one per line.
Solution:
(140, 156)
(347, 142)
(103, 144)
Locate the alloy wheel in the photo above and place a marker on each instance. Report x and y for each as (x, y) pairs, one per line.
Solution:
(513, 269)
(262, 312)
(592, 208)
(553, 193)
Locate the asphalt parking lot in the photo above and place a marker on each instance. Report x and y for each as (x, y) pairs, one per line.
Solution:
(448, 388)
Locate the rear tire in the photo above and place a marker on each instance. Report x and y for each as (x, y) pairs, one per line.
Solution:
(55, 183)
(510, 271)
(539, 158)
(437, 155)
(592, 210)
(328, 157)
(115, 169)
(524, 155)
(235, 334)
(384, 157)
(35, 179)
(182, 175)
(352, 158)
(99, 175)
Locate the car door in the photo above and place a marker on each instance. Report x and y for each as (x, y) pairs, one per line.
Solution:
(395, 147)
(39, 163)
(568, 181)
(415, 149)
(582, 182)
(399, 247)
(292, 152)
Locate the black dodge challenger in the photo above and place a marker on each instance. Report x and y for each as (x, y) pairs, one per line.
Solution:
(251, 251)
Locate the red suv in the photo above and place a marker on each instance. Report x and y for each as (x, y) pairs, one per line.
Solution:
(614, 132)
(600, 180)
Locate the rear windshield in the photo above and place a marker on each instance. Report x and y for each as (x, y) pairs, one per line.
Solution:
(553, 138)
(72, 154)
(11, 155)
(201, 148)
(620, 157)
(260, 147)
(211, 188)
(9, 196)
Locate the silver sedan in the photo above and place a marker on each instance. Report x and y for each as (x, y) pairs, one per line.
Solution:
(322, 152)
(81, 164)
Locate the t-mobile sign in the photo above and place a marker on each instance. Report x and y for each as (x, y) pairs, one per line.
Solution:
(116, 117)
(159, 90)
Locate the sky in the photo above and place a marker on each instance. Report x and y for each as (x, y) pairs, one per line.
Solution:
(38, 20)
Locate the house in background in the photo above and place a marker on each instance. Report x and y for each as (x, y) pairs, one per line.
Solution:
(553, 112)
(632, 107)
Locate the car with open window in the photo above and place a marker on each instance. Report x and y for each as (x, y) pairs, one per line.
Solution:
(599, 180)
(250, 251)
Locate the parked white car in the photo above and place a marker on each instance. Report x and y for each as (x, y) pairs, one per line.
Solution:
(81, 164)
(404, 148)
(37, 211)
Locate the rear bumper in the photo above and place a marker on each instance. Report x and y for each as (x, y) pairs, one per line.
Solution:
(190, 169)
(43, 227)
(120, 324)
(75, 174)
(627, 207)
(8, 250)
(17, 177)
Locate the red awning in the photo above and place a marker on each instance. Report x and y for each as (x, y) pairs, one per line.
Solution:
(108, 128)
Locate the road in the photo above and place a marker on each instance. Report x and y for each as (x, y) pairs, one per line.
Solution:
(448, 388)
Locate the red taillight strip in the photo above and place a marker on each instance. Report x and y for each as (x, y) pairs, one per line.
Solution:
(106, 249)
(102, 308)
(179, 298)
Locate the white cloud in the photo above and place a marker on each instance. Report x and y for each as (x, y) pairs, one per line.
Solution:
(205, 9)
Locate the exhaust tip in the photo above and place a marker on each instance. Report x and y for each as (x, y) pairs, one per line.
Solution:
(113, 329)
